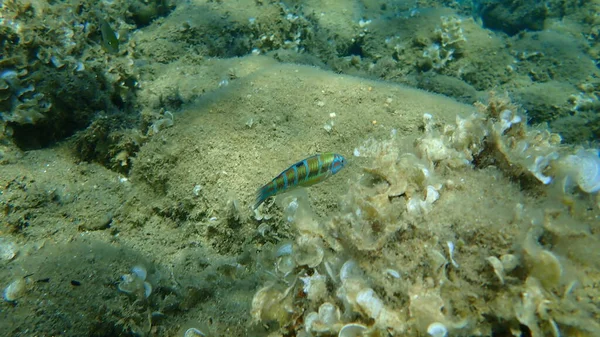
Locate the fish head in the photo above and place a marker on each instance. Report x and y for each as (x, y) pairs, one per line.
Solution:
(338, 163)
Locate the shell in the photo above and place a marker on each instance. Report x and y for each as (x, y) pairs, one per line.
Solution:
(432, 195)
(352, 330)
(498, 267)
(329, 313)
(14, 290)
(509, 262)
(308, 251)
(583, 168)
(129, 283)
(547, 268)
(393, 273)
(418, 206)
(588, 178)
(350, 270)
(8, 250)
(284, 249)
(271, 304)
(147, 289)
(369, 302)
(437, 329)
(134, 283)
(315, 286)
(451, 253)
(325, 321)
(437, 259)
(285, 263)
(140, 272)
(542, 264)
(312, 323)
(193, 332)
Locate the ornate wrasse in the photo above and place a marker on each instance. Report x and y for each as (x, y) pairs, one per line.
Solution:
(304, 173)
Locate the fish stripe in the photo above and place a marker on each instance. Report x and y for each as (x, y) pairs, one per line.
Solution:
(279, 183)
(305, 170)
(320, 165)
(313, 165)
(295, 168)
(291, 176)
(300, 171)
(332, 160)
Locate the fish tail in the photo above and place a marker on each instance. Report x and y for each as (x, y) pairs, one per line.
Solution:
(263, 194)
(284, 181)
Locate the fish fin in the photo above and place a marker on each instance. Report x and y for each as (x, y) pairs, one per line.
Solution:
(262, 194)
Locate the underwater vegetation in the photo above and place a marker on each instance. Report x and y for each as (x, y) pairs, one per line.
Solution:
(382, 267)
(65, 65)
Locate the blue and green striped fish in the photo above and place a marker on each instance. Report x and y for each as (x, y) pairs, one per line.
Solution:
(304, 173)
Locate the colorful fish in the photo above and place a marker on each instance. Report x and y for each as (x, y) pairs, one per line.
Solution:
(304, 173)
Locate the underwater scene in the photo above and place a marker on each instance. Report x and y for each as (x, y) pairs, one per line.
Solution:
(314, 168)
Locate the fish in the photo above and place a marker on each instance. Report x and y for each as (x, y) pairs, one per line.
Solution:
(304, 173)
(110, 42)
